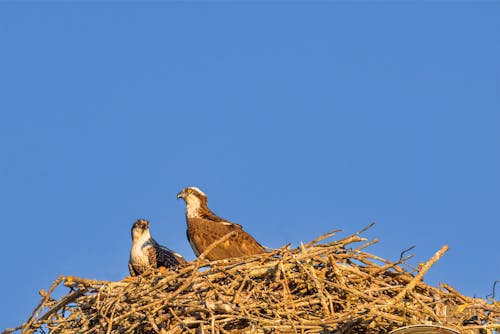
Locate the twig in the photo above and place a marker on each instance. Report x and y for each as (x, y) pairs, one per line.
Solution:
(315, 288)
(417, 278)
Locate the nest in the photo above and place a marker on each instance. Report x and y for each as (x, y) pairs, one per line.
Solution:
(318, 287)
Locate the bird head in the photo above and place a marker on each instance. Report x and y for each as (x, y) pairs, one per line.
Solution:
(192, 195)
(140, 229)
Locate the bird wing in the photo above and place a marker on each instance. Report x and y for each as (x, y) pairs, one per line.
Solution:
(192, 242)
(152, 256)
(213, 217)
(176, 255)
(132, 270)
(162, 256)
(202, 233)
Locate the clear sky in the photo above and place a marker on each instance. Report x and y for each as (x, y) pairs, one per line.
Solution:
(295, 118)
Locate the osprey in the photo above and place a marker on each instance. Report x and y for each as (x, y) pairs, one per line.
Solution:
(204, 228)
(147, 253)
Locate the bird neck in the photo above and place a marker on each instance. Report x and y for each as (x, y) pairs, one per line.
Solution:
(142, 238)
(193, 211)
(195, 206)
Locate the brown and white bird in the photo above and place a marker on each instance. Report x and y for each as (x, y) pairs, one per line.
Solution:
(204, 228)
(147, 253)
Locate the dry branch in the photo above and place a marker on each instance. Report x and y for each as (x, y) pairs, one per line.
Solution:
(315, 288)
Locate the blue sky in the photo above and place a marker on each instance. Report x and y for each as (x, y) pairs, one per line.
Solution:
(295, 119)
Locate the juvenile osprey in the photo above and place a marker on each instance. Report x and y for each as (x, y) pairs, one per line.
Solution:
(147, 253)
(204, 228)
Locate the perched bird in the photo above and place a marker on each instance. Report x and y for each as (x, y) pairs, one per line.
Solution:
(147, 253)
(204, 228)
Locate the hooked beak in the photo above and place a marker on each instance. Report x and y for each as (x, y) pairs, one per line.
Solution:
(180, 194)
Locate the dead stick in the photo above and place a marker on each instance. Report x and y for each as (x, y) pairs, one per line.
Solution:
(323, 237)
(70, 280)
(427, 308)
(374, 241)
(171, 296)
(63, 302)
(36, 312)
(417, 278)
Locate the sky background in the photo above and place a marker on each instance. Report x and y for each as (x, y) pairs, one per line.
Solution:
(294, 118)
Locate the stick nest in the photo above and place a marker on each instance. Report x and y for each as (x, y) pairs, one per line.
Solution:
(316, 288)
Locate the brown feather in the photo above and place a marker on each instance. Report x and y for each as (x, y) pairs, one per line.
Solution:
(209, 215)
(160, 256)
(203, 232)
(204, 228)
(132, 270)
(152, 257)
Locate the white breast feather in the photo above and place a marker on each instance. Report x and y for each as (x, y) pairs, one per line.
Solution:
(192, 206)
(138, 253)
